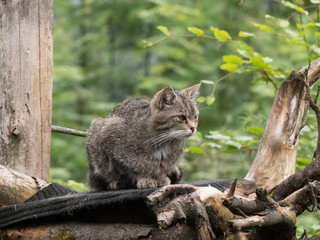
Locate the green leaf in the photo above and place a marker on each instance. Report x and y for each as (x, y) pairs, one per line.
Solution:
(164, 30)
(201, 99)
(234, 59)
(218, 136)
(267, 16)
(195, 150)
(210, 100)
(147, 43)
(283, 23)
(198, 134)
(230, 67)
(214, 145)
(295, 7)
(304, 160)
(244, 50)
(255, 130)
(196, 31)
(234, 144)
(246, 34)
(317, 231)
(299, 42)
(221, 35)
(258, 61)
(264, 27)
(308, 25)
(207, 82)
(244, 138)
(305, 142)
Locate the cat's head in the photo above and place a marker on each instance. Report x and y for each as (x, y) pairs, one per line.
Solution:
(174, 114)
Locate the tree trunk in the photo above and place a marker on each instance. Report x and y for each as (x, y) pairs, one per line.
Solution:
(26, 60)
(276, 156)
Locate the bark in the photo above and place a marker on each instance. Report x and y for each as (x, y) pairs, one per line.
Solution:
(26, 59)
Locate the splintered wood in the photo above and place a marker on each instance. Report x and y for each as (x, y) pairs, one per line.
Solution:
(276, 156)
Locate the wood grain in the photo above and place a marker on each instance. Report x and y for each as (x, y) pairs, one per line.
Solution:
(26, 85)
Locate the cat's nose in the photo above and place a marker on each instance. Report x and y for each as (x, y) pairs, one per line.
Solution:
(192, 129)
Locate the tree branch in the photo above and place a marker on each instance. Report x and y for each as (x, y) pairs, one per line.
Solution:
(68, 131)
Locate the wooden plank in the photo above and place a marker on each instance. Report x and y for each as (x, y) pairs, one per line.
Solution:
(26, 85)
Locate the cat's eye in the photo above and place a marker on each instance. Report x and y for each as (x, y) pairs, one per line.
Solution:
(182, 117)
(195, 117)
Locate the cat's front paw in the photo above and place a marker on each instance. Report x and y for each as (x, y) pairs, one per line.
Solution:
(175, 175)
(163, 182)
(114, 185)
(146, 183)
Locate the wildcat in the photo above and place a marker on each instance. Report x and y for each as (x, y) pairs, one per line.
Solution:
(141, 142)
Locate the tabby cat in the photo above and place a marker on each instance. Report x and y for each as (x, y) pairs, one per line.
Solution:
(141, 142)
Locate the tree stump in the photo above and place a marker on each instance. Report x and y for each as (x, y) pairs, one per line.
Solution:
(26, 60)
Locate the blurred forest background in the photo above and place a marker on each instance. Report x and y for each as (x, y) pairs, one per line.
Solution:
(241, 50)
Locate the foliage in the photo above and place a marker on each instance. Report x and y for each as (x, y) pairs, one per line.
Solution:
(99, 60)
(240, 50)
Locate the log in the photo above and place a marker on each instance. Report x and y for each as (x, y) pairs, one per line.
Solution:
(26, 60)
(98, 231)
(16, 187)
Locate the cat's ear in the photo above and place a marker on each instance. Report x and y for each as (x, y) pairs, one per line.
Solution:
(164, 97)
(192, 92)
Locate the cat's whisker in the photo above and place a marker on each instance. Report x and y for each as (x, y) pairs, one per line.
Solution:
(178, 134)
(201, 105)
(160, 138)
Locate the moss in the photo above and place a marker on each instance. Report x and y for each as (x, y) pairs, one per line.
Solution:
(64, 235)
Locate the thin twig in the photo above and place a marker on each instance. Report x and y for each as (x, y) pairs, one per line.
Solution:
(219, 80)
(316, 110)
(316, 99)
(68, 131)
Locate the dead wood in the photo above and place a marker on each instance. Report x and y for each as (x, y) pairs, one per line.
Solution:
(184, 206)
(68, 131)
(276, 156)
(204, 212)
(26, 47)
(16, 187)
(98, 231)
(271, 212)
(296, 181)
